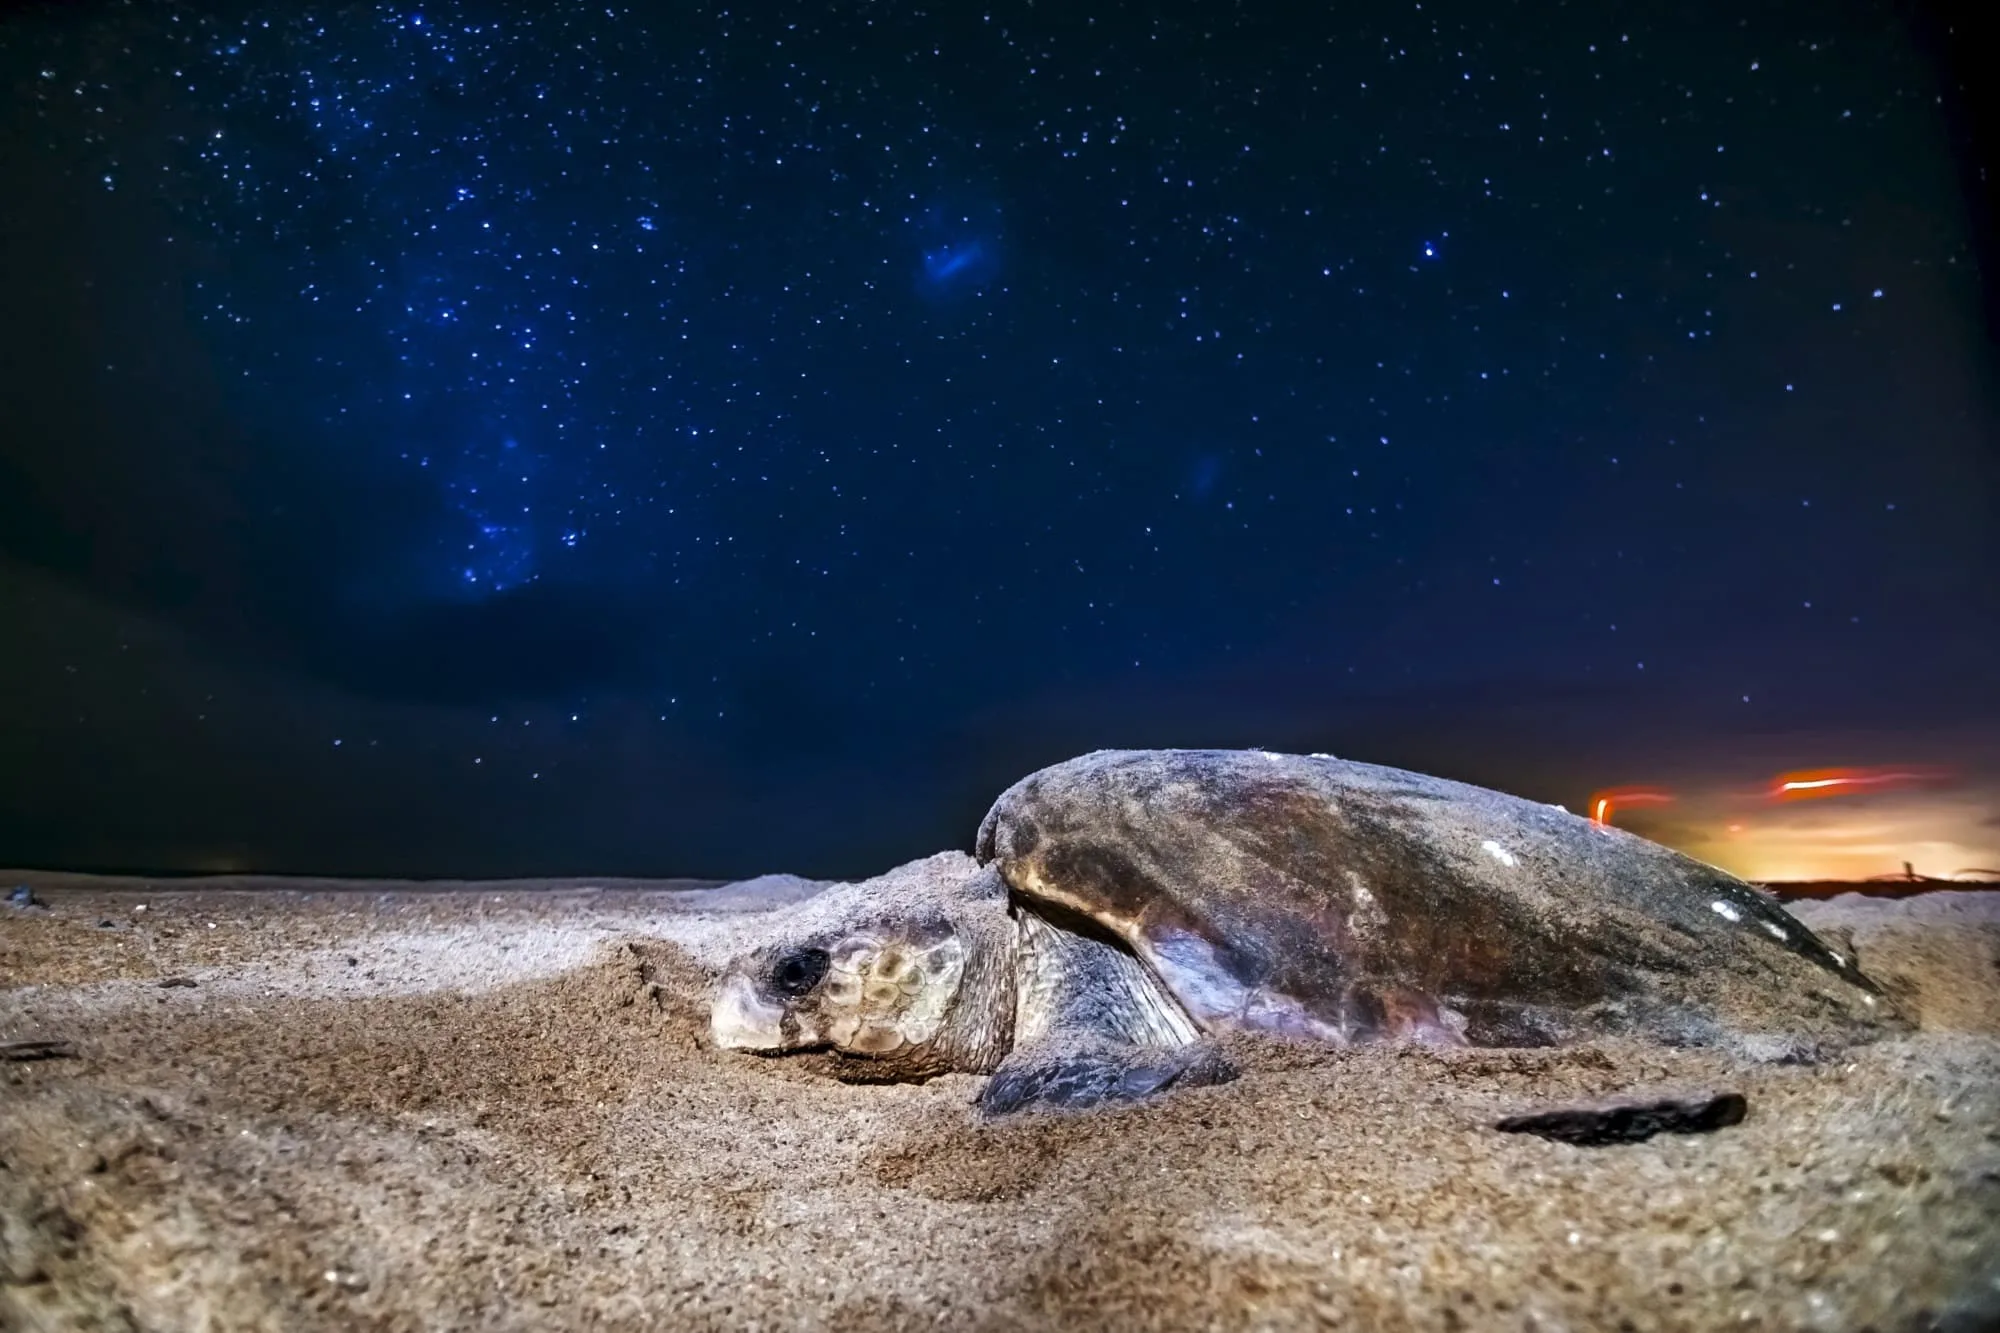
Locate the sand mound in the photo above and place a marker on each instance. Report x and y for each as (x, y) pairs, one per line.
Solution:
(493, 1108)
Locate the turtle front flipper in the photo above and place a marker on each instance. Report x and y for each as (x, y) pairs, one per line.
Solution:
(1069, 1077)
(1092, 1024)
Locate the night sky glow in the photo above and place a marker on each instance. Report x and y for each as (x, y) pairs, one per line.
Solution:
(478, 438)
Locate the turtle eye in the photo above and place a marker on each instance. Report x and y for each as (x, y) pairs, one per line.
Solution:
(797, 973)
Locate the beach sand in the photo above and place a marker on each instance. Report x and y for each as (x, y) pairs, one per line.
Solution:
(370, 1106)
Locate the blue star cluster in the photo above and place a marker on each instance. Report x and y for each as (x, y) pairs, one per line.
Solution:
(878, 393)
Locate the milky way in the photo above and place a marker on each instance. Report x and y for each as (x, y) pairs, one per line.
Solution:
(845, 381)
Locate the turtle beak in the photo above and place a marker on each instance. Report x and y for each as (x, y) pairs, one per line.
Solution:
(743, 1021)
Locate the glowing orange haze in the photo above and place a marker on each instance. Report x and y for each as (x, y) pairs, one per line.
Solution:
(1845, 824)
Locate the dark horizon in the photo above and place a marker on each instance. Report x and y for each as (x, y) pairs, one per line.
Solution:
(464, 440)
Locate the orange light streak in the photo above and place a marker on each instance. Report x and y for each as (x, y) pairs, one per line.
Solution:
(1810, 784)
(1603, 803)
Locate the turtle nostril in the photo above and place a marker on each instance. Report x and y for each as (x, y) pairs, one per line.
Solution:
(797, 973)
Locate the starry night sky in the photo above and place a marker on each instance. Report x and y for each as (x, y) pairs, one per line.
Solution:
(470, 438)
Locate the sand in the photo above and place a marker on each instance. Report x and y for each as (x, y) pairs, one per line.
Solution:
(494, 1107)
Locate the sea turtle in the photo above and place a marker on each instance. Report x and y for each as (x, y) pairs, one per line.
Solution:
(1128, 907)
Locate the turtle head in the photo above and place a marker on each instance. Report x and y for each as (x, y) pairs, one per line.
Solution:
(912, 971)
(886, 993)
